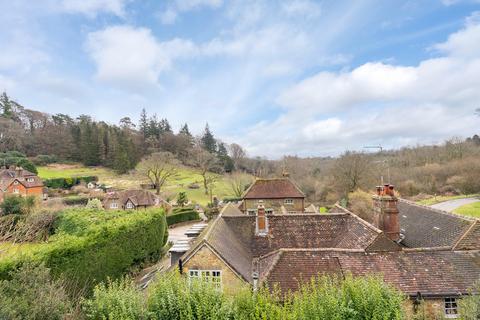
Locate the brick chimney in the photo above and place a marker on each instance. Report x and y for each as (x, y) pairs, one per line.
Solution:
(385, 211)
(261, 221)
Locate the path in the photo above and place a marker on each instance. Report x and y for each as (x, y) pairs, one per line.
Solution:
(454, 204)
(147, 274)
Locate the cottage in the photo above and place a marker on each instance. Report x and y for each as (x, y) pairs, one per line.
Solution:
(275, 195)
(438, 260)
(132, 200)
(18, 181)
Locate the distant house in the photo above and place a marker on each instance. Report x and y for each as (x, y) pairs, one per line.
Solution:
(277, 195)
(18, 181)
(430, 255)
(132, 200)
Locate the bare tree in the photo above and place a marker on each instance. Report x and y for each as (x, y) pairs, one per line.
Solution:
(210, 183)
(238, 183)
(238, 154)
(206, 162)
(159, 168)
(350, 170)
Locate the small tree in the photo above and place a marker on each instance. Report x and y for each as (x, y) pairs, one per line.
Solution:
(206, 162)
(159, 168)
(95, 204)
(12, 205)
(182, 199)
(238, 183)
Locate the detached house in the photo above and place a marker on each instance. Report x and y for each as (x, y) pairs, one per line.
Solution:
(428, 254)
(279, 195)
(18, 181)
(130, 200)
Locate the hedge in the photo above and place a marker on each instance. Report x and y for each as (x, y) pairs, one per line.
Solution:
(75, 200)
(90, 246)
(183, 216)
(67, 183)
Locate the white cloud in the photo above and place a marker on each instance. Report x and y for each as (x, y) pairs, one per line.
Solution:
(174, 8)
(305, 8)
(92, 7)
(132, 57)
(379, 103)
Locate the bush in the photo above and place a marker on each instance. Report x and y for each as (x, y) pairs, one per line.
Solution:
(182, 216)
(32, 294)
(182, 199)
(75, 200)
(94, 204)
(67, 183)
(44, 159)
(172, 297)
(90, 246)
(232, 199)
(17, 205)
(115, 300)
(360, 203)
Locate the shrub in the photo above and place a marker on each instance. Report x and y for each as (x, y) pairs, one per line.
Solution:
(44, 159)
(115, 300)
(17, 205)
(75, 200)
(67, 183)
(172, 297)
(182, 199)
(360, 203)
(32, 294)
(231, 199)
(182, 216)
(94, 204)
(90, 246)
(469, 307)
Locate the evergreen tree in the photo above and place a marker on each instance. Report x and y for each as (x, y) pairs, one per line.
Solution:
(165, 126)
(185, 131)
(143, 125)
(208, 140)
(224, 159)
(6, 106)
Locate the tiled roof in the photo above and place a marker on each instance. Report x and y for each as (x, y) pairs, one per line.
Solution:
(471, 239)
(273, 189)
(428, 272)
(427, 227)
(8, 176)
(138, 197)
(231, 210)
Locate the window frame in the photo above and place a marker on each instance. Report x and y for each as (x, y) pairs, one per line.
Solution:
(16, 190)
(288, 201)
(213, 276)
(450, 305)
(251, 212)
(30, 180)
(113, 205)
(129, 205)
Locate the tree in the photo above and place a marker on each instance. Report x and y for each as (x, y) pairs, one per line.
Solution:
(126, 123)
(182, 199)
(17, 205)
(224, 159)
(239, 183)
(350, 170)
(159, 168)
(210, 183)
(208, 140)
(237, 154)
(6, 106)
(206, 162)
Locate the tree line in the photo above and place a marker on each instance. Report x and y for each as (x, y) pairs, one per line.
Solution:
(95, 143)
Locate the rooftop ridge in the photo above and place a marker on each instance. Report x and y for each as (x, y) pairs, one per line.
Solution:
(438, 210)
(366, 223)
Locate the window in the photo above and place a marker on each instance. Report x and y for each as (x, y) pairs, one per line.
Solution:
(15, 182)
(30, 179)
(451, 308)
(129, 205)
(113, 205)
(209, 276)
(15, 190)
(288, 201)
(251, 212)
(269, 211)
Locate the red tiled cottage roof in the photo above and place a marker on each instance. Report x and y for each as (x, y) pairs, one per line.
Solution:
(278, 188)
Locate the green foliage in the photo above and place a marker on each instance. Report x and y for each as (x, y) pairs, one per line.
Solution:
(172, 297)
(44, 159)
(16, 158)
(91, 245)
(17, 205)
(115, 300)
(178, 216)
(231, 199)
(261, 305)
(208, 140)
(75, 200)
(94, 204)
(182, 198)
(67, 183)
(472, 210)
(469, 307)
(32, 294)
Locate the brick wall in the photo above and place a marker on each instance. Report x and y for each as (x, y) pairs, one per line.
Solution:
(205, 259)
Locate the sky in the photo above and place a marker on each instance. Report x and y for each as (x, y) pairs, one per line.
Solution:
(290, 77)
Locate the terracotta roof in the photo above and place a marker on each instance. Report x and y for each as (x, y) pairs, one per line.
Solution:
(8, 176)
(278, 188)
(429, 272)
(427, 227)
(137, 197)
(471, 239)
(231, 210)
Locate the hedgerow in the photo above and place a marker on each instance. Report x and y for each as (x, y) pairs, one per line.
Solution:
(67, 183)
(185, 214)
(88, 246)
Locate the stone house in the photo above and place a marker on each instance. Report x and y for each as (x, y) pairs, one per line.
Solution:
(279, 195)
(132, 200)
(426, 253)
(18, 181)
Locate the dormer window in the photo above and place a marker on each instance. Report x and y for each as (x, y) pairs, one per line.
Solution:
(129, 205)
(288, 201)
(30, 179)
(15, 182)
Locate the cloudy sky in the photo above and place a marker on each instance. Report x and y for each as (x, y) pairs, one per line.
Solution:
(298, 77)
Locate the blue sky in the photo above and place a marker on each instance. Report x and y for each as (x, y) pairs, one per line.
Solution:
(304, 77)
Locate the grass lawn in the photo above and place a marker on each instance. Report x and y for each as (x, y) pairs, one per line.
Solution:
(106, 176)
(438, 199)
(471, 210)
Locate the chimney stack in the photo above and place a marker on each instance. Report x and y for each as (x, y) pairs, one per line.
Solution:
(386, 215)
(261, 227)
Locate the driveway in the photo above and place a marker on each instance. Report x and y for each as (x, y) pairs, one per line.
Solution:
(454, 204)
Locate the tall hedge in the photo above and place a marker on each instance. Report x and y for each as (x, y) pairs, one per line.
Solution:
(182, 216)
(87, 252)
(67, 183)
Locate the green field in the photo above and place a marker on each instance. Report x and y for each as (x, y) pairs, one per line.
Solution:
(438, 199)
(471, 210)
(106, 176)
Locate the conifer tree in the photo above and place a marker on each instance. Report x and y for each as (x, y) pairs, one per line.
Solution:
(208, 140)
